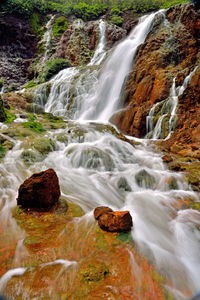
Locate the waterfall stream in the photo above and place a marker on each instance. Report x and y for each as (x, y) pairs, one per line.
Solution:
(166, 110)
(96, 168)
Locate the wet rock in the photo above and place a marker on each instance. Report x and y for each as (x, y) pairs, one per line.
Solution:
(94, 272)
(167, 158)
(44, 145)
(91, 158)
(145, 180)
(118, 221)
(123, 185)
(99, 211)
(40, 191)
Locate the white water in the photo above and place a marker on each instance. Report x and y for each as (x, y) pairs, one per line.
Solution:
(87, 94)
(2, 90)
(71, 87)
(168, 107)
(95, 168)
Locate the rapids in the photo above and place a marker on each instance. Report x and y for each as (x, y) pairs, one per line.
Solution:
(96, 168)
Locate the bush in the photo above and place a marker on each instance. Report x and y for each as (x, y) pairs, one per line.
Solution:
(54, 66)
(117, 20)
(35, 24)
(87, 11)
(59, 26)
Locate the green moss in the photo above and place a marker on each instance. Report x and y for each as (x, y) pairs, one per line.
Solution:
(31, 117)
(52, 118)
(9, 117)
(53, 67)
(125, 237)
(34, 126)
(30, 84)
(59, 26)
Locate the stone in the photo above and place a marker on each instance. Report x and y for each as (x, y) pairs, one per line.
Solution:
(167, 158)
(118, 221)
(145, 180)
(41, 191)
(99, 211)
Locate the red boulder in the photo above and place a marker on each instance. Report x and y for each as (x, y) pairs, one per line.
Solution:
(118, 221)
(40, 191)
(99, 211)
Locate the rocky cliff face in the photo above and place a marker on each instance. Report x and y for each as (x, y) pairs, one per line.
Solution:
(17, 48)
(171, 50)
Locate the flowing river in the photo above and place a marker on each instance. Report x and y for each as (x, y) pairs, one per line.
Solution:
(96, 168)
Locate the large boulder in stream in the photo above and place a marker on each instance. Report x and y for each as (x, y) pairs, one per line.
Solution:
(113, 221)
(41, 191)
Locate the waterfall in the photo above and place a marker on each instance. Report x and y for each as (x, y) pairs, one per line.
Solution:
(166, 110)
(93, 93)
(92, 162)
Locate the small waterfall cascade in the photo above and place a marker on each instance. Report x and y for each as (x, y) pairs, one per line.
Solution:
(72, 86)
(97, 168)
(2, 90)
(162, 116)
(47, 38)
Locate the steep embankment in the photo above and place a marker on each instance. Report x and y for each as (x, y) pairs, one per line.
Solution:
(171, 50)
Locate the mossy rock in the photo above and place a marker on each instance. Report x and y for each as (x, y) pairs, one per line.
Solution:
(94, 272)
(30, 156)
(145, 180)
(52, 118)
(44, 145)
(34, 126)
(172, 183)
(91, 158)
(123, 185)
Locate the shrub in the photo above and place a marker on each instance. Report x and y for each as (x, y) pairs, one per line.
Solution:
(87, 11)
(60, 26)
(35, 24)
(54, 66)
(117, 20)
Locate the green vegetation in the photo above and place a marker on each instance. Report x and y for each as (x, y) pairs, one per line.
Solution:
(60, 26)
(35, 24)
(2, 151)
(85, 9)
(1, 82)
(34, 126)
(30, 84)
(9, 117)
(52, 118)
(53, 67)
(31, 117)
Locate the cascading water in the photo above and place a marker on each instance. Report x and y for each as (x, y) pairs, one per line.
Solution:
(96, 168)
(166, 110)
